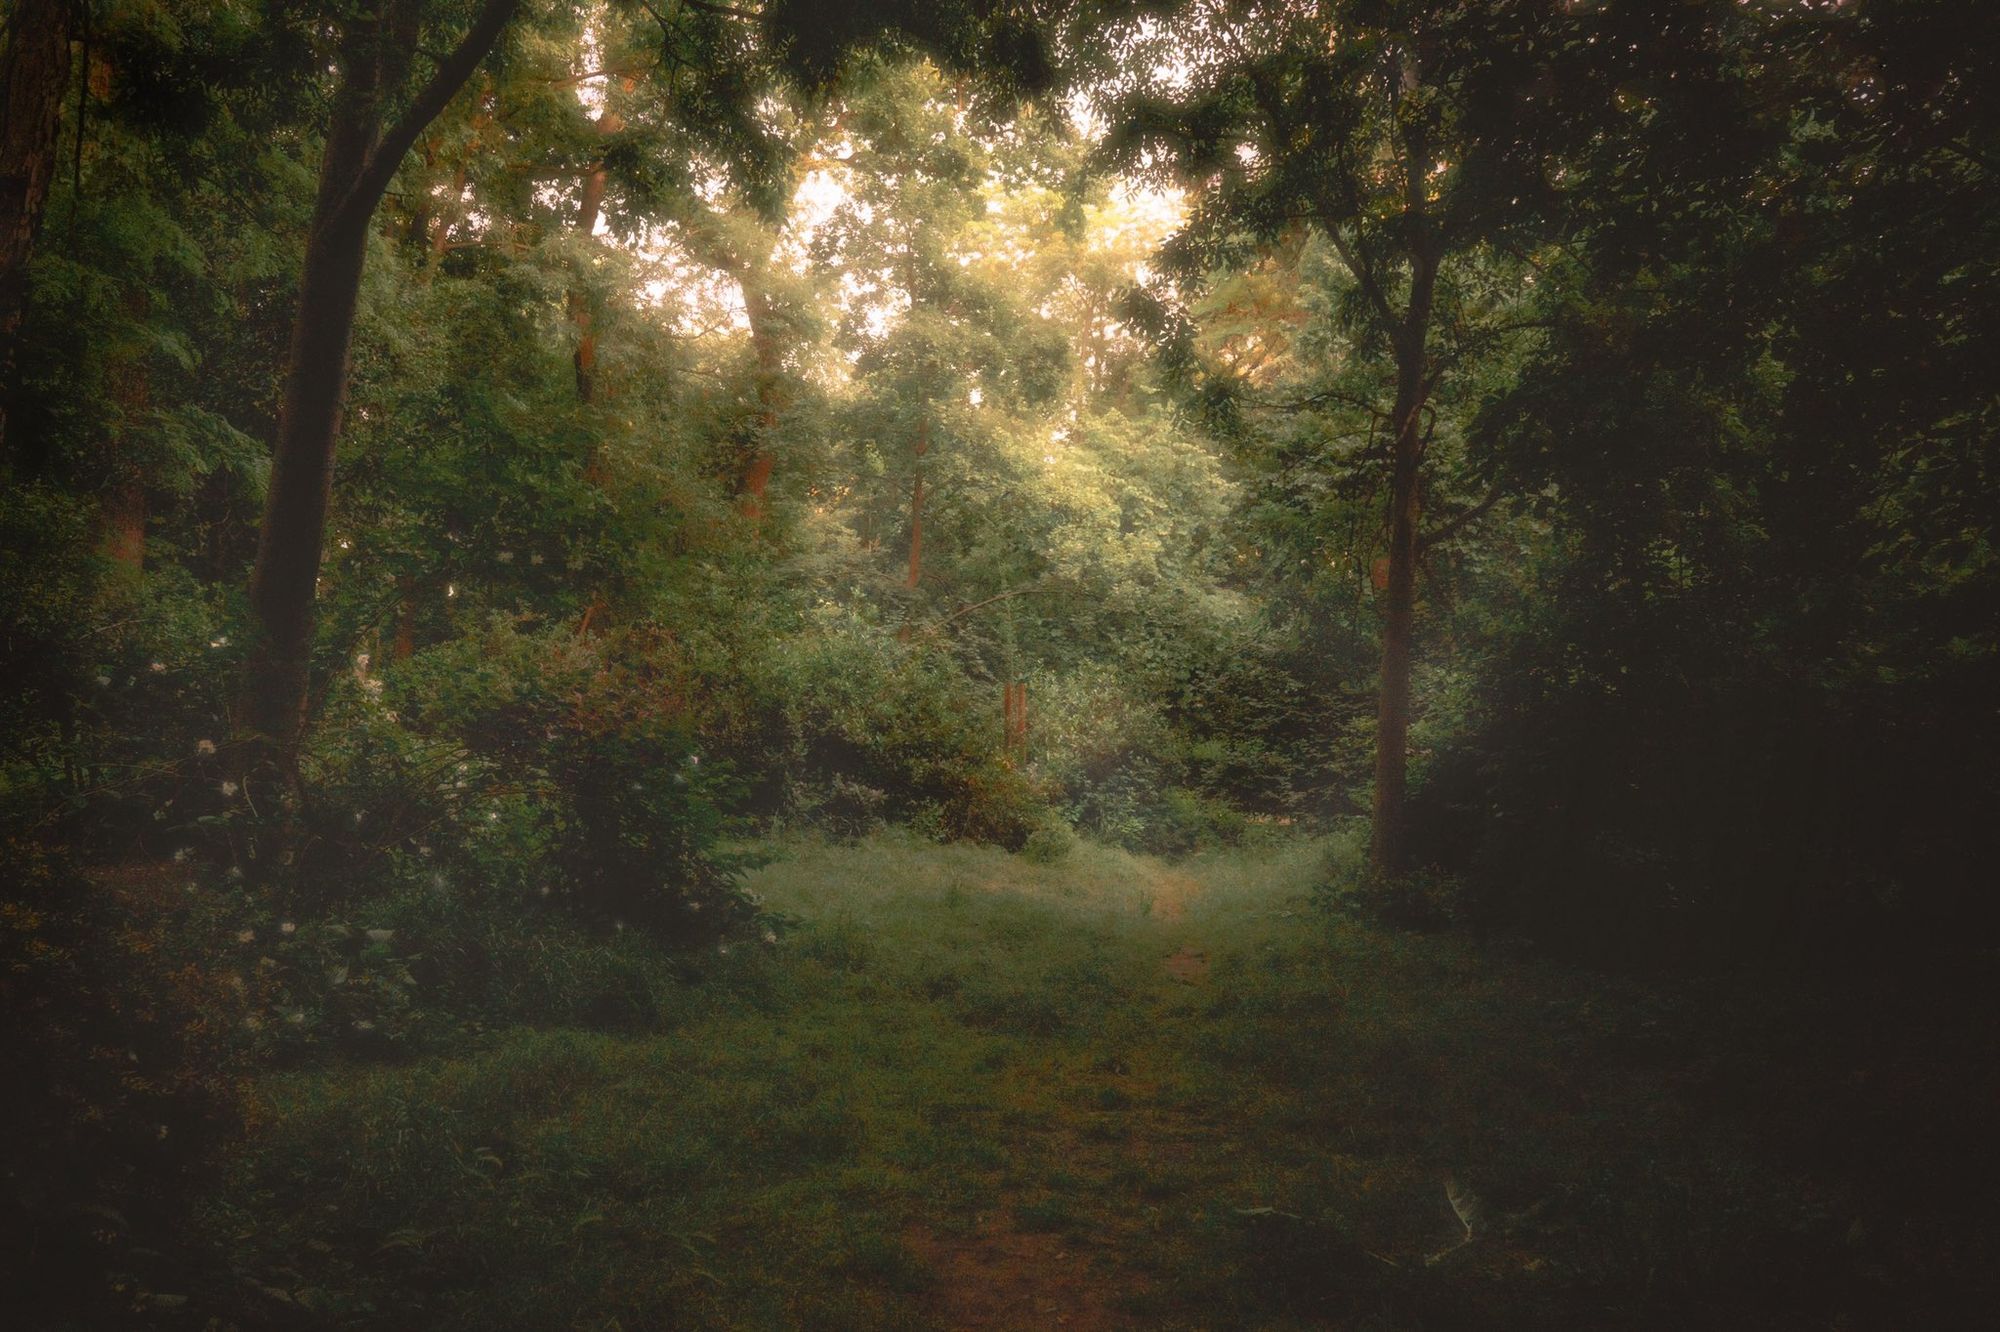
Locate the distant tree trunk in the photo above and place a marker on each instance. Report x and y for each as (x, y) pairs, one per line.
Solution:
(123, 515)
(1014, 709)
(762, 314)
(589, 207)
(1389, 850)
(923, 446)
(356, 167)
(34, 74)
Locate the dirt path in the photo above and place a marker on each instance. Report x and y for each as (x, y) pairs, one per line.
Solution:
(1002, 1275)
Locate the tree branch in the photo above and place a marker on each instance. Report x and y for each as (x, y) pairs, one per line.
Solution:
(1464, 519)
(450, 76)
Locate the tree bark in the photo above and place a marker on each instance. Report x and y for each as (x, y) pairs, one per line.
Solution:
(916, 573)
(358, 163)
(758, 464)
(1389, 851)
(34, 74)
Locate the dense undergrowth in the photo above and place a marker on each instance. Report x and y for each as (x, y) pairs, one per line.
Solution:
(950, 1052)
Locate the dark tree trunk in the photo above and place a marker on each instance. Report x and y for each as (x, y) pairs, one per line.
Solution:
(359, 162)
(1388, 849)
(34, 73)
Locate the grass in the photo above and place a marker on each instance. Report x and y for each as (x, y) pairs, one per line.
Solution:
(964, 1091)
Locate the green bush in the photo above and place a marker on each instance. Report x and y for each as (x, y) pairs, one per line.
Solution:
(868, 728)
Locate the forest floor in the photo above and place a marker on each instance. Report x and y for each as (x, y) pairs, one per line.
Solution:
(964, 1090)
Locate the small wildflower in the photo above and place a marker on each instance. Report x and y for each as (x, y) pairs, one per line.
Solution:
(545, 890)
(451, 589)
(493, 816)
(204, 747)
(359, 815)
(289, 927)
(535, 558)
(618, 926)
(229, 790)
(182, 853)
(235, 871)
(694, 906)
(423, 850)
(157, 668)
(245, 936)
(722, 949)
(505, 557)
(219, 641)
(104, 680)
(770, 936)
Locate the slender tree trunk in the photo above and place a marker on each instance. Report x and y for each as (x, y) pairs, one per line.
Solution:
(916, 573)
(34, 73)
(589, 207)
(765, 345)
(1389, 850)
(358, 163)
(1392, 716)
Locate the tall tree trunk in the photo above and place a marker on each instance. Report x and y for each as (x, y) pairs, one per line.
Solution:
(762, 313)
(359, 161)
(34, 73)
(916, 573)
(1389, 850)
(589, 207)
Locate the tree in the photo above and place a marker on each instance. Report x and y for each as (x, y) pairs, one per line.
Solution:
(34, 72)
(1414, 139)
(363, 150)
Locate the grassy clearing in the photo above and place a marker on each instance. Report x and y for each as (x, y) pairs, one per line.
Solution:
(966, 1090)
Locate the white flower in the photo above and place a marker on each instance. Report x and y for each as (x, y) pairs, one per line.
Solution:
(505, 557)
(535, 558)
(229, 790)
(289, 927)
(770, 936)
(157, 668)
(182, 853)
(245, 936)
(694, 906)
(219, 641)
(722, 949)
(204, 747)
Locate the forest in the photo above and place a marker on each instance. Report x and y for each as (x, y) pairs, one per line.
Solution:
(999, 664)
